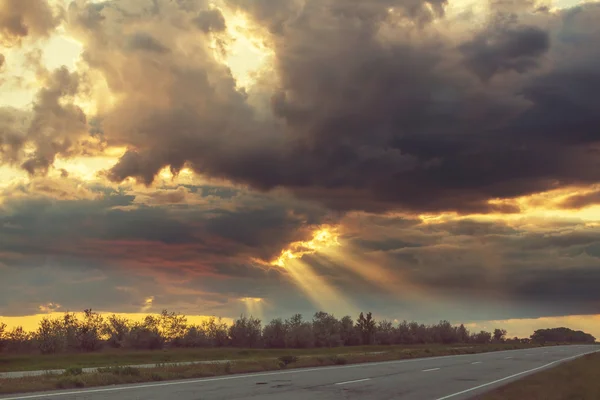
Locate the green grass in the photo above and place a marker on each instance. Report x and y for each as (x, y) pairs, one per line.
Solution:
(574, 380)
(254, 361)
(114, 357)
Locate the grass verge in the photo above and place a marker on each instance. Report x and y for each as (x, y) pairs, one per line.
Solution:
(118, 357)
(576, 380)
(112, 375)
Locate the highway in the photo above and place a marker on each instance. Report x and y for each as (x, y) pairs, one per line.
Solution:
(435, 378)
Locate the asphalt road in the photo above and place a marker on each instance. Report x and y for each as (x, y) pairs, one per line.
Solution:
(436, 378)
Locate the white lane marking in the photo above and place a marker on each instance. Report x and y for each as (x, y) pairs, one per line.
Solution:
(528, 354)
(430, 369)
(476, 362)
(514, 375)
(507, 358)
(231, 377)
(358, 380)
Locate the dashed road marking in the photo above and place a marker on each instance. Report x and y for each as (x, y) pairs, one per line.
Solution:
(356, 381)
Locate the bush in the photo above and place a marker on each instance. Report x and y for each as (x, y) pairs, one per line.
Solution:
(69, 382)
(337, 360)
(245, 332)
(73, 371)
(287, 359)
(155, 376)
(143, 337)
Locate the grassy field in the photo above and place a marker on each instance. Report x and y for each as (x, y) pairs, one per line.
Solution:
(246, 361)
(33, 362)
(574, 380)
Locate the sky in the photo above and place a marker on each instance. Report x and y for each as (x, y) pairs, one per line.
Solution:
(423, 160)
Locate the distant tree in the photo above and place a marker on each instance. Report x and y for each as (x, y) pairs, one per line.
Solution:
(366, 326)
(385, 333)
(19, 341)
(173, 327)
(326, 330)
(246, 332)
(299, 333)
(403, 333)
(499, 335)
(50, 336)
(194, 336)
(116, 330)
(275, 333)
(349, 333)
(463, 334)
(89, 331)
(420, 333)
(444, 332)
(217, 331)
(482, 337)
(3, 338)
(146, 335)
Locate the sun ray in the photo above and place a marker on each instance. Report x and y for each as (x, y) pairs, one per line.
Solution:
(254, 306)
(370, 269)
(317, 289)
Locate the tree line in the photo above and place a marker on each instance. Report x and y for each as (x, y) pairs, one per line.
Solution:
(562, 335)
(93, 332)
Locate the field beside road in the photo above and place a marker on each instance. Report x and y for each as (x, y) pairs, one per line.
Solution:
(34, 362)
(577, 380)
(240, 361)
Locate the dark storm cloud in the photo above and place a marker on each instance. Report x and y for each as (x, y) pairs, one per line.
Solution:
(40, 219)
(370, 112)
(145, 42)
(506, 48)
(210, 21)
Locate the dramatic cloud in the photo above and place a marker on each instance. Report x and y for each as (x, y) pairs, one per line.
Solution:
(342, 154)
(373, 106)
(21, 18)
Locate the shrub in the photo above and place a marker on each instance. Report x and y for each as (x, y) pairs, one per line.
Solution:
(287, 360)
(69, 382)
(337, 360)
(73, 371)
